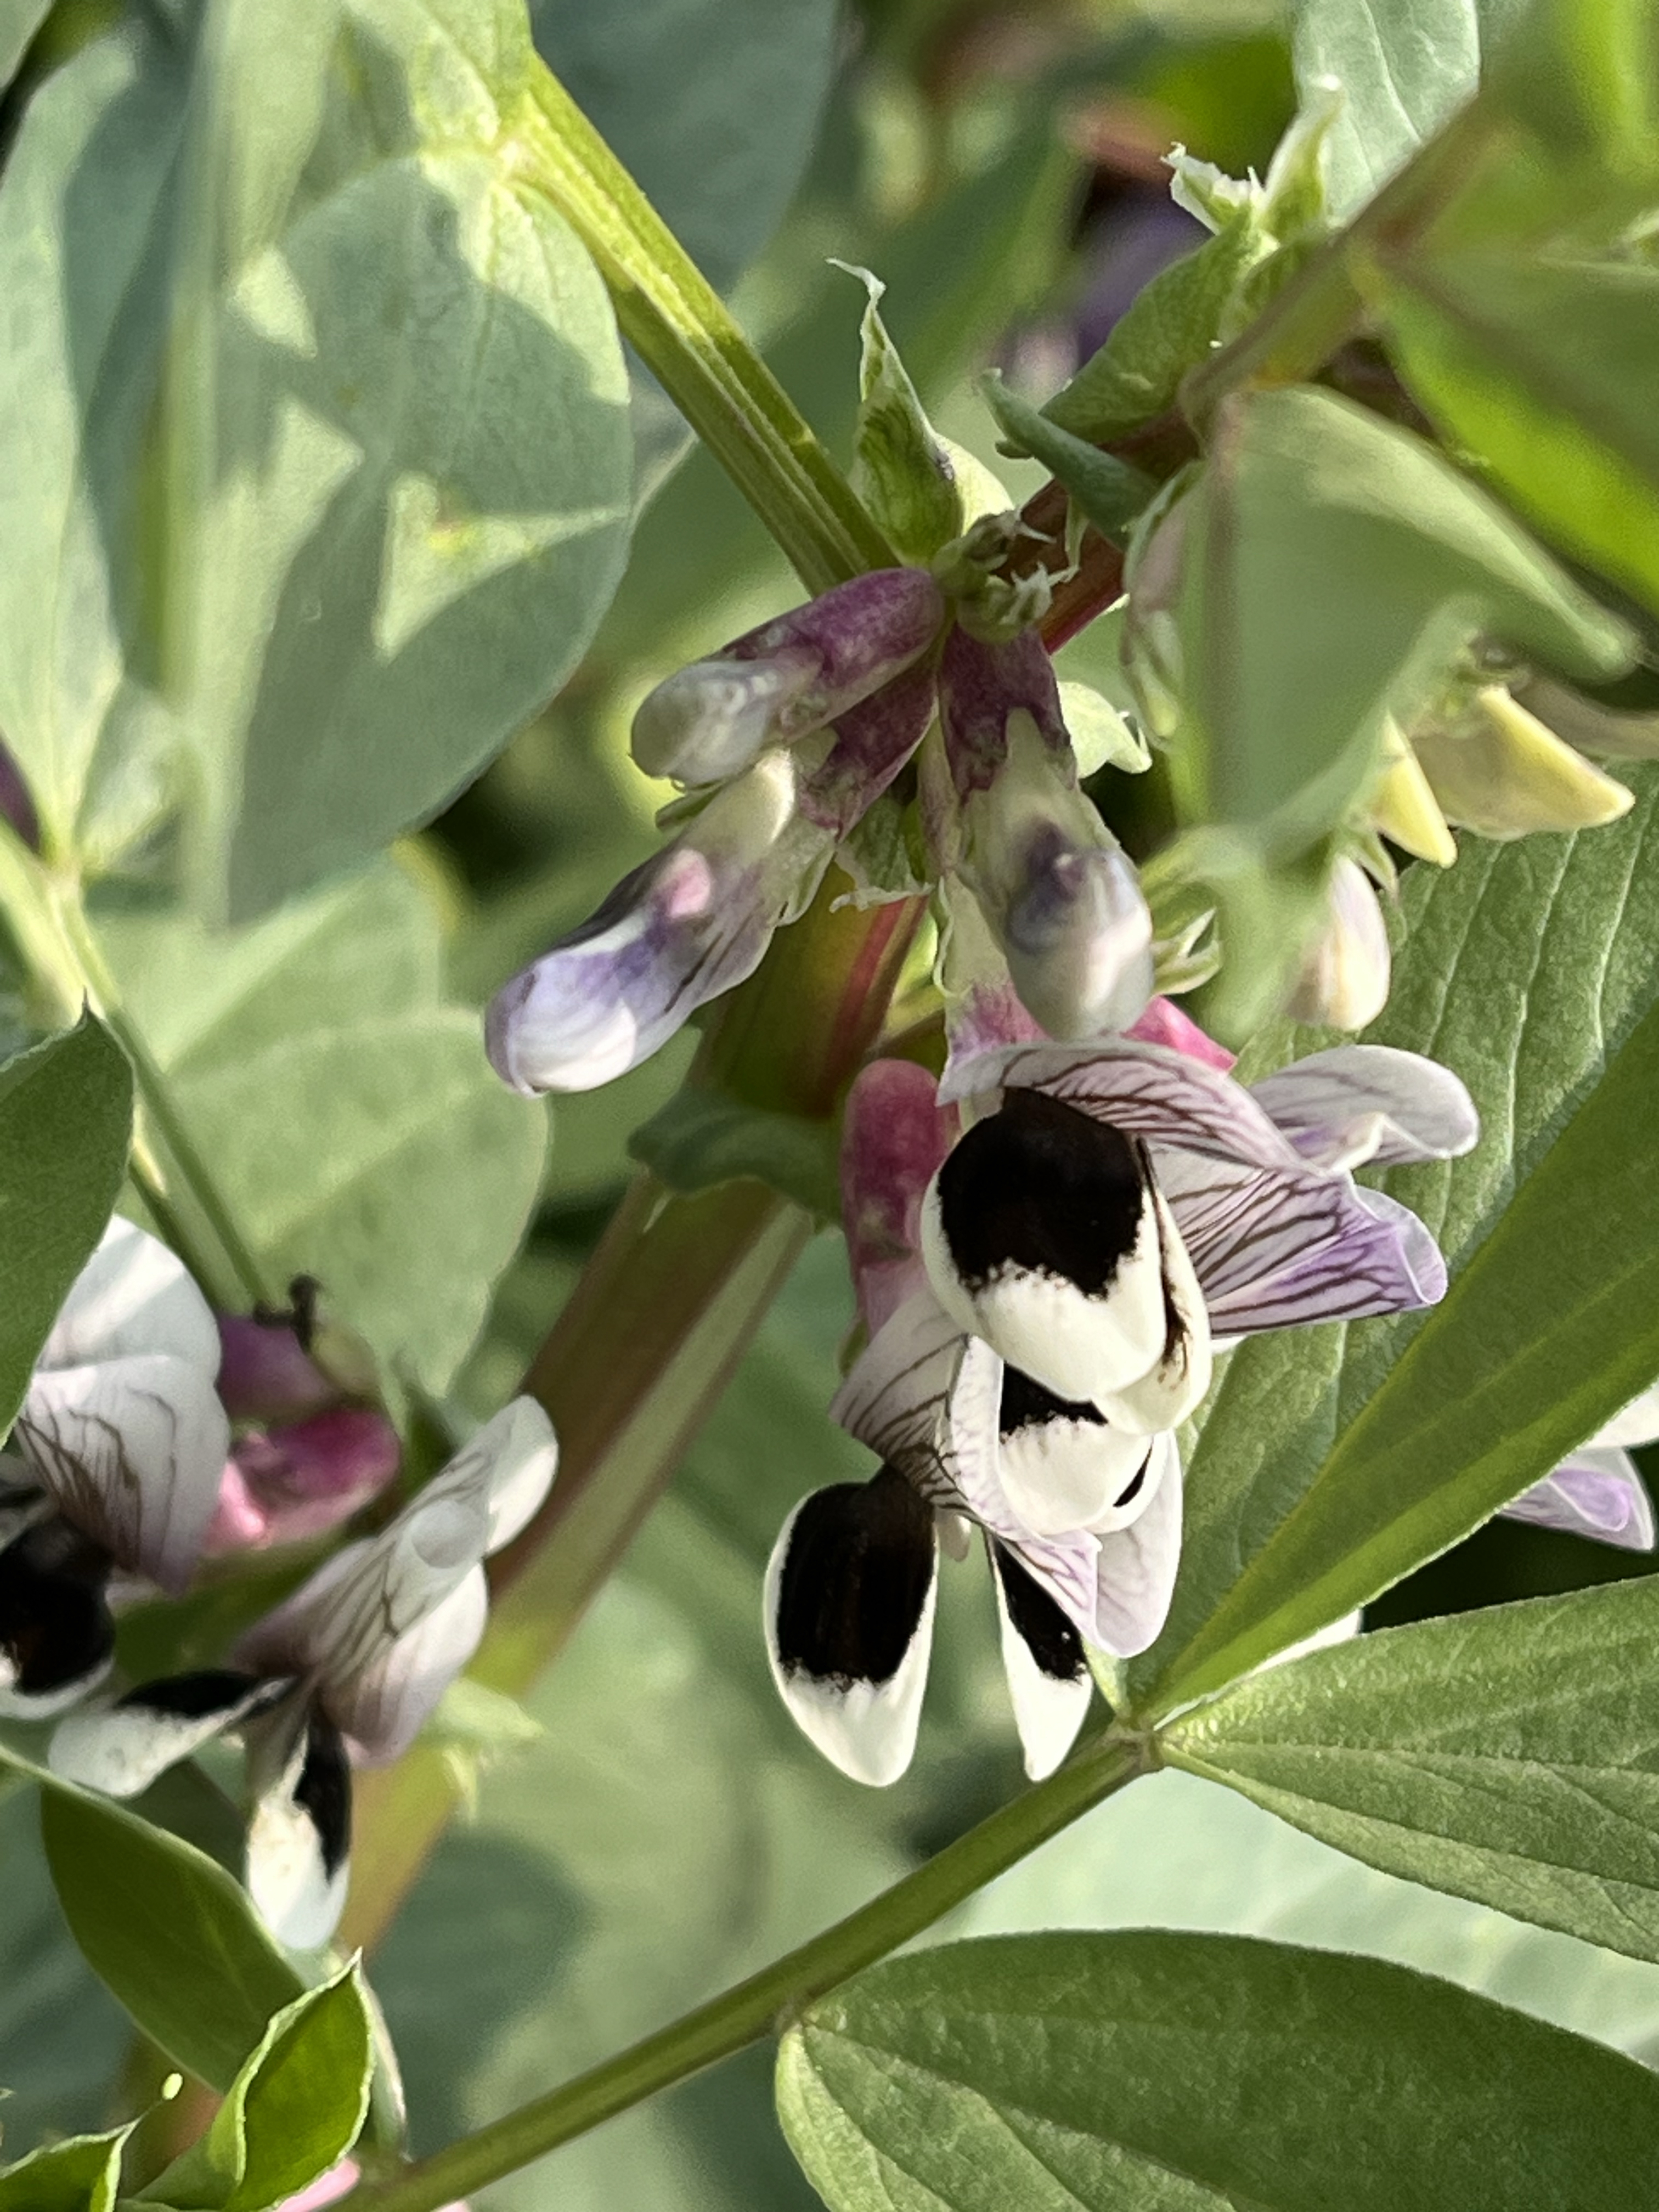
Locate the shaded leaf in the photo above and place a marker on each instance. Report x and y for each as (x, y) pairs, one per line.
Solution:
(704, 1136)
(1510, 1755)
(1088, 2073)
(19, 21)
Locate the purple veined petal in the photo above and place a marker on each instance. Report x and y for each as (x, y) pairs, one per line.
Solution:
(1596, 1492)
(896, 1399)
(1174, 1386)
(1635, 1424)
(299, 1838)
(133, 1297)
(787, 677)
(894, 1138)
(1146, 1090)
(383, 1706)
(57, 1632)
(1049, 1679)
(120, 1749)
(979, 686)
(689, 925)
(874, 741)
(1365, 1103)
(1138, 1565)
(506, 1470)
(131, 1450)
(849, 1599)
(1272, 1250)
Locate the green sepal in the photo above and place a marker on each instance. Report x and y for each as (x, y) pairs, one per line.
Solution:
(1109, 492)
(900, 467)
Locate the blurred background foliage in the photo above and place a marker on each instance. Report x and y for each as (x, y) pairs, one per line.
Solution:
(661, 1828)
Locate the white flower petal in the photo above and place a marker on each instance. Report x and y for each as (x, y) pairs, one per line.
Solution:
(383, 1708)
(1137, 1564)
(1597, 1493)
(508, 1469)
(1043, 1655)
(1364, 1103)
(133, 1296)
(1635, 1424)
(121, 1748)
(131, 1450)
(850, 1592)
(299, 1838)
(1062, 1465)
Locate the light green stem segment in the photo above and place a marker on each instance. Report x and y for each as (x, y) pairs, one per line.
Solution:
(49, 921)
(682, 330)
(768, 2001)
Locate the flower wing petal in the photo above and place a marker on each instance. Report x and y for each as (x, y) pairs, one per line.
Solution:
(1597, 1493)
(1043, 1655)
(1137, 1564)
(1363, 1103)
(299, 1839)
(133, 1296)
(121, 1748)
(382, 1708)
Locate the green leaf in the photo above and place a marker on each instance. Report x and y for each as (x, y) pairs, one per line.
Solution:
(704, 1136)
(1177, 1852)
(1404, 66)
(1546, 370)
(1334, 1460)
(1584, 74)
(1085, 2073)
(1510, 1755)
(295, 2108)
(352, 1120)
(1171, 326)
(81, 2175)
(1108, 492)
(712, 106)
(1335, 566)
(172, 1934)
(19, 21)
(293, 511)
(65, 1122)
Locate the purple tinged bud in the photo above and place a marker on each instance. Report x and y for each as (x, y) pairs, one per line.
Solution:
(874, 741)
(980, 687)
(788, 678)
(264, 1375)
(689, 925)
(1343, 983)
(894, 1138)
(303, 1479)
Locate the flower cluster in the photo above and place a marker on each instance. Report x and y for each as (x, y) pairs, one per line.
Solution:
(1044, 1292)
(788, 737)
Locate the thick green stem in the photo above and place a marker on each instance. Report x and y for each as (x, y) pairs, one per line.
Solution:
(687, 338)
(768, 2001)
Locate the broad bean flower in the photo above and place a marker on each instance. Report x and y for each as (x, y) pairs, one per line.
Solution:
(115, 1463)
(1596, 1491)
(1043, 1310)
(344, 1673)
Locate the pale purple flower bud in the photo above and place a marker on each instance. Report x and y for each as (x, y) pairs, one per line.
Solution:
(1344, 981)
(285, 1485)
(265, 1375)
(1595, 1493)
(790, 676)
(894, 1140)
(689, 925)
(980, 687)
(874, 741)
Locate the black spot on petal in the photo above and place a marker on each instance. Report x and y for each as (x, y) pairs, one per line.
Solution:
(1047, 1634)
(195, 1695)
(1131, 1489)
(1041, 1187)
(860, 1561)
(55, 1625)
(1026, 1405)
(323, 1791)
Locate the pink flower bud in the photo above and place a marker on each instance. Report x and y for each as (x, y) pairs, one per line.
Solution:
(264, 1375)
(1164, 1023)
(894, 1138)
(790, 676)
(285, 1485)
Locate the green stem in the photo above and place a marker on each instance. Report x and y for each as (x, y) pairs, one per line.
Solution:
(768, 2000)
(686, 336)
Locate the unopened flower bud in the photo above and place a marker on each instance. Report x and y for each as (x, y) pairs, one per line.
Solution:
(677, 931)
(302, 1479)
(894, 1140)
(1344, 982)
(980, 687)
(265, 1375)
(788, 678)
(874, 741)
(1164, 1023)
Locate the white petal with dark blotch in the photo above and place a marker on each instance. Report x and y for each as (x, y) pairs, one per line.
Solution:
(1147, 1089)
(1138, 1564)
(121, 1748)
(382, 1707)
(1597, 1492)
(1043, 1655)
(1272, 1249)
(299, 1836)
(1062, 1465)
(57, 1634)
(849, 1605)
(133, 1297)
(1174, 1387)
(1368, 1103)
(131, 1450)
(1635, 1424)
